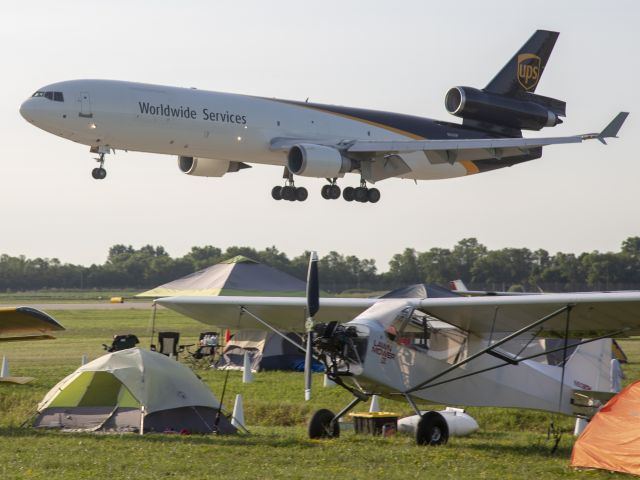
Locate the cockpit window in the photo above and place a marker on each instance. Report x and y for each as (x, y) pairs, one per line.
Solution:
(55, 96)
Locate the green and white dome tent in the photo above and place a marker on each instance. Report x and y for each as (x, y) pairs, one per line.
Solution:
(132, 390)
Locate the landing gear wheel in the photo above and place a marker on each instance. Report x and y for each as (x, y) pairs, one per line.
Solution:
(360, 195)
(289, 193)
(373, 195)
(320, 425)
(276, 193)
(334, 192)
(348, 194)
(325, 192)
(432, 430)
(99, 173)
(301, 194)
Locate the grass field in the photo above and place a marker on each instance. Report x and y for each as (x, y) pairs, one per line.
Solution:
(510, 443)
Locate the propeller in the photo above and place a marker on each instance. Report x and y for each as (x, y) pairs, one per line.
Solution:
(313, 305)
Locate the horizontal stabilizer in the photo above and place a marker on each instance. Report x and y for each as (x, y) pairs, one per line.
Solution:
(611, 130)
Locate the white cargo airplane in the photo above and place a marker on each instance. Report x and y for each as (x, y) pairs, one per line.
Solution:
(440, 347)
(215, 133)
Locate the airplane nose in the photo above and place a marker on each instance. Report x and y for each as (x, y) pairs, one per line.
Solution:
(26, 109)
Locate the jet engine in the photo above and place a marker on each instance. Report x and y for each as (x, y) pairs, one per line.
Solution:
(528, 112)
(208, 167)
(310, 160)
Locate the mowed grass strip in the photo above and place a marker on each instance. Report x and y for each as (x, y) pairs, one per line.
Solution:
(510, 443)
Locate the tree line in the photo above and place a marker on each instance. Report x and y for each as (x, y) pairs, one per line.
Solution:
(515, 269)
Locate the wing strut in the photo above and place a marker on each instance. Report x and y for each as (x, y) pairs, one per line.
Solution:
(274, 330)
(455, 366)
(565, 346)
(530, 357)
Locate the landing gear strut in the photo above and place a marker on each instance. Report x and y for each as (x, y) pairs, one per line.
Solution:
(362, 194)
(289, 191)
(99, 173)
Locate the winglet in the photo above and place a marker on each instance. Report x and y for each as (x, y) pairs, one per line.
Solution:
(611, 130)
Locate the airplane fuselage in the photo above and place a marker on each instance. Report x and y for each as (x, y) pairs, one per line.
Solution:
(108, 114)
(388, 366)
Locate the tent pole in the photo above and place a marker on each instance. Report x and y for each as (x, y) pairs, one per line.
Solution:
(142, 420)
(153, 323)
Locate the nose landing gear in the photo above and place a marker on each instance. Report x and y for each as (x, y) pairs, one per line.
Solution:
(99, 173)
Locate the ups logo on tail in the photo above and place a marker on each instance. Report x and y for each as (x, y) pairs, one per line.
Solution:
(528, 70)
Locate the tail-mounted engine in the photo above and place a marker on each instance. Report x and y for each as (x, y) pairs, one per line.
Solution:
(487, 110)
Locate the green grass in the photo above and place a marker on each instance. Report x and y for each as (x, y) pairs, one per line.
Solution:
(510, 443)
(68, 296)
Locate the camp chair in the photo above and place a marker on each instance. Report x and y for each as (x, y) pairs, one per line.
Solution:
(121, 342)
(168, 344)
(204, 355)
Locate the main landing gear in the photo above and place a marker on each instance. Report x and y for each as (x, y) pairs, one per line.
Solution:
(331, 191)
(361, 194)
(289, 192)
(432, 428)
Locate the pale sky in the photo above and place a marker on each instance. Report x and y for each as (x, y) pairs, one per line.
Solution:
(399, 56)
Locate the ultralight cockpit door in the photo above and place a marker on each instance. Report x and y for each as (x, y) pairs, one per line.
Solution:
(85, 105)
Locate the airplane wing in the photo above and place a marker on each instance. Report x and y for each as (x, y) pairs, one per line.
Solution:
(475, 149)
(589, 313)
(285, 313)
(25, 323)
(452, 150)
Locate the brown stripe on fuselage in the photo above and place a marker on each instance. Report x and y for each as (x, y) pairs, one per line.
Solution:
(418, 128)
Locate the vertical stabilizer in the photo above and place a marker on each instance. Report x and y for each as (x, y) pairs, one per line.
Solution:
(522, 73)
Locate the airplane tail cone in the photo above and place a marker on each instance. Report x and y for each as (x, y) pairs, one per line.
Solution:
(247, 376)
(237, 417)
(5, 368)
(375, 404)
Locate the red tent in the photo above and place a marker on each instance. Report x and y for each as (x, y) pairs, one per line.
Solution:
(611, 441)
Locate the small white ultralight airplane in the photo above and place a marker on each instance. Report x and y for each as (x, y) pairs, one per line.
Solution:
(215, 133)
(450, 350)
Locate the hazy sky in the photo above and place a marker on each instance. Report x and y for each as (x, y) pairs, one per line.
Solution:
(400, 56)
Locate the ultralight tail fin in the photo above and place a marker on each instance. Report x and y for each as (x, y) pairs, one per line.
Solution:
(522, 73)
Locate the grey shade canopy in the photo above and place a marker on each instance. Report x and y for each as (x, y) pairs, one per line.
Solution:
(238, 276)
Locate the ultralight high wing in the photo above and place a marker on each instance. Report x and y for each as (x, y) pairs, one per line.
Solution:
(441, 348)
(26, 323)
(215, 133)
(19, 324)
